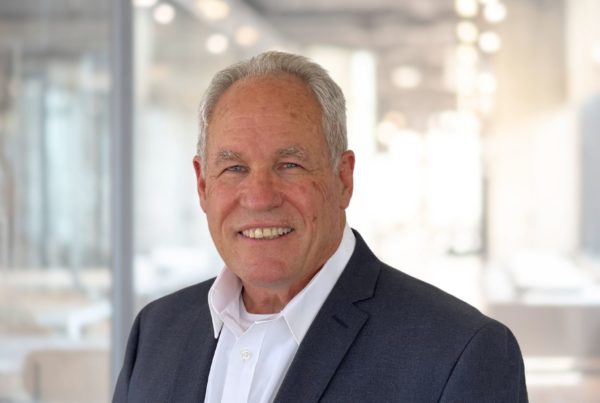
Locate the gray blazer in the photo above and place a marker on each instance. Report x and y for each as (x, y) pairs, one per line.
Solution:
(381, 336)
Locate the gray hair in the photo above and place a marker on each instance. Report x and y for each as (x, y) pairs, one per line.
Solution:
(328, 94)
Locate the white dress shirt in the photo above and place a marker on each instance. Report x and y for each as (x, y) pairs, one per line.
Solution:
(254, 351)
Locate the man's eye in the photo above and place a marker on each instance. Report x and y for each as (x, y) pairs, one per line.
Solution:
(288, 165)
(235, 168)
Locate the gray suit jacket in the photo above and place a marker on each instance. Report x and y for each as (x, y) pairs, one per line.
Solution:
(381, 336)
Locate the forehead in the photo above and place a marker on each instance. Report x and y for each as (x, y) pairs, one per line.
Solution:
(266, 100)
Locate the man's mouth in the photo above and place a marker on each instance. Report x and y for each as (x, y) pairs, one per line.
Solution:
(266, 233)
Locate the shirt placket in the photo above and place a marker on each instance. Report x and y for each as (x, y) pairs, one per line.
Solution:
(242, 364)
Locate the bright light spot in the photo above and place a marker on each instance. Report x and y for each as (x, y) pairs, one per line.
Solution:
(213, 9)
(490, 42)
(495, 12)
(164, 13)
(406, 77)
(466, 8)
(467, 32)
(596, 52)
(144, 3)
(217, 43)
(246, 35)
(486, 82)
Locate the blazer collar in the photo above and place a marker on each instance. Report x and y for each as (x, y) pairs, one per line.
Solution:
(338, 323)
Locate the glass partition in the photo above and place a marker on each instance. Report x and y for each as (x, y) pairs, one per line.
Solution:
(54, 201)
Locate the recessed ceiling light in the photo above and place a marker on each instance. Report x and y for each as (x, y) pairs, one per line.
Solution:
(490, 42)
(217, 43)
(466, 8)
(495, 12)
(164, 13)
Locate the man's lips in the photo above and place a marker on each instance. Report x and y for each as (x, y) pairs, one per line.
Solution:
(266, 232)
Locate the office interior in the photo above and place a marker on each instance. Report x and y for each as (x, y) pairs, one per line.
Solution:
(476, 128)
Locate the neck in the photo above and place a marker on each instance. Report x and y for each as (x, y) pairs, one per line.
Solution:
(265, 301)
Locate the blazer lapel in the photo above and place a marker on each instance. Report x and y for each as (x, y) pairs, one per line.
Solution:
(333, 331)
(195, 359)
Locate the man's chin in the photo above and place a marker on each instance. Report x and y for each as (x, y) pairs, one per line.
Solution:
(264, 277)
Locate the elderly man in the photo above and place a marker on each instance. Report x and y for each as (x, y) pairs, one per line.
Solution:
(303, 311)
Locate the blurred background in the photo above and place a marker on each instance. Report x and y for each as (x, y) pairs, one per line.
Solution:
(476, 125)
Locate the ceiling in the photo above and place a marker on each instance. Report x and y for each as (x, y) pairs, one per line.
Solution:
(415, 33)
(374, 24)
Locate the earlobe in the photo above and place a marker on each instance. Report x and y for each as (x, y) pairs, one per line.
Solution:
(200, 182)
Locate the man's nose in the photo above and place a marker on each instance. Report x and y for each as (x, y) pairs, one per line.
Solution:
(261, 191)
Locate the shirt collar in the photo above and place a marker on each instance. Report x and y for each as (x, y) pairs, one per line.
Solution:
(299, 313)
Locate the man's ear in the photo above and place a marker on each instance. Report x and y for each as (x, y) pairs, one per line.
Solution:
(200, 182)
(346, 175)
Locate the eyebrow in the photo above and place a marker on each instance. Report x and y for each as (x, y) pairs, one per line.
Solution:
(293, 151)
(227, 155)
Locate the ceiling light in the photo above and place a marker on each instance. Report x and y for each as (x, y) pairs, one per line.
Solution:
(495, 12)
(164, 13)
(406, 77)
(490, 42)
(466, 8)
(217, 43)
(467, 32)
(246, 35)
(144, 3)
(213, 9)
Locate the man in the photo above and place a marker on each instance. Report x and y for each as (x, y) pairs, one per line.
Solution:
(303, 311)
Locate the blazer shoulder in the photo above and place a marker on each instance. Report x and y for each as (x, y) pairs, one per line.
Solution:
(396, 297)
(416, 302)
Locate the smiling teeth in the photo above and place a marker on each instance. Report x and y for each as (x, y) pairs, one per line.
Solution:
(266, 233)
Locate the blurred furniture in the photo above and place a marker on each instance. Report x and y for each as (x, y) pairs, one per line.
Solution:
(68, 376)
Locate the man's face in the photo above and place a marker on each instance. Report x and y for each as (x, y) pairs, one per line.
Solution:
(274, 204)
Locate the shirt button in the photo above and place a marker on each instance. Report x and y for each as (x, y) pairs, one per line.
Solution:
(246, 355)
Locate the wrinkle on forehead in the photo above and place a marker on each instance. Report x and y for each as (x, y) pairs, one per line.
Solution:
(298, 99)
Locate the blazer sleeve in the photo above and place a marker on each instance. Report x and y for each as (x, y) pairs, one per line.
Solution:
(122, 387)
(490, 369)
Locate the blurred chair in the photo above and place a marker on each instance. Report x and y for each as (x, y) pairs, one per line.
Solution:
(68, 376)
